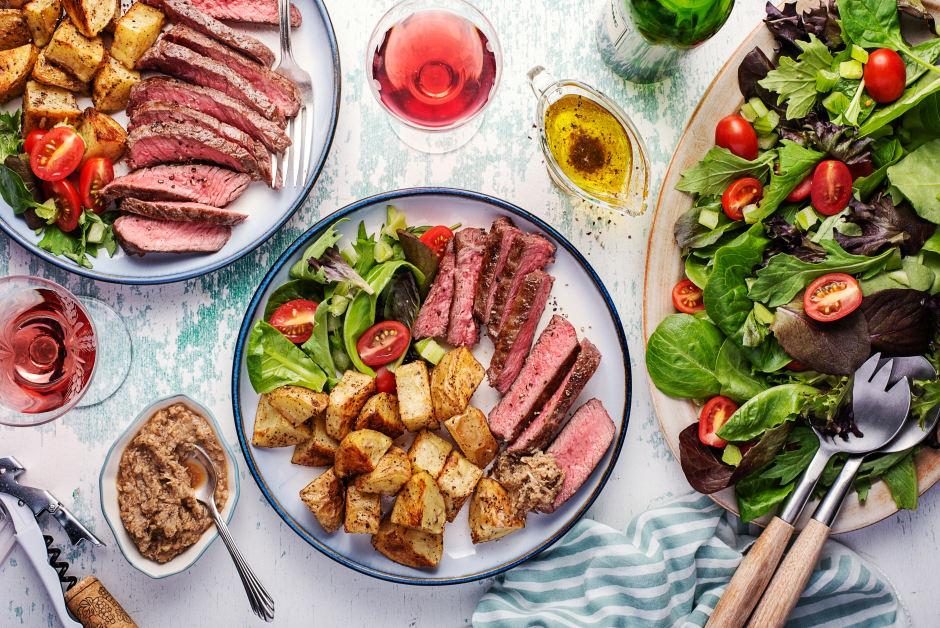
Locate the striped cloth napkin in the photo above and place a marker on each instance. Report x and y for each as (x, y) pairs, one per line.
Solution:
(669, 570)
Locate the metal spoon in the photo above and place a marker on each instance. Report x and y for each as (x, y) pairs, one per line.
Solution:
(261, 602)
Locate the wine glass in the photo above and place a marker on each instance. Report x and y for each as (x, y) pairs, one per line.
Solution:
(51, 346)
(434, 66)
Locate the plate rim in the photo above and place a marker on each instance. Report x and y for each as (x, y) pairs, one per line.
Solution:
(91, 273)
(302, 241)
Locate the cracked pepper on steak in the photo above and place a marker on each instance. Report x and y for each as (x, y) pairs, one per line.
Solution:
(157, 502)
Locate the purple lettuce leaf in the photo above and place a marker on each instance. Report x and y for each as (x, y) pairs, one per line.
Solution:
(899, 321)
(823, 22)
(837, 347)
(836, 140)
(786, 238)
(754, 68)
(332, 267)
(787, 28)
(916, 9)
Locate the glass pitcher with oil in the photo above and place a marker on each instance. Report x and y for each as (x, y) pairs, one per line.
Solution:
(592, 150)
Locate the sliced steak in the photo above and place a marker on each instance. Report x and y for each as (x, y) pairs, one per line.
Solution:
(175, 60)
(183, 12)
(138, 235)
(280, 89)
(498, 243)
(580, 447)
(256, 11)
(166, 142)
(183, 211)
(197, 183)
(550, 418)
(530, 252)
(551, 358)
(163, 112)
(468, 247)
(435, 313)
(211, 102)
(515, 340)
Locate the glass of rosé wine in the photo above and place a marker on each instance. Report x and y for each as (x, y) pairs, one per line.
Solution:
(51, 346)
(434, 66)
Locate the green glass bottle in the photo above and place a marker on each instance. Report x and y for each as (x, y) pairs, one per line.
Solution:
(642, 40)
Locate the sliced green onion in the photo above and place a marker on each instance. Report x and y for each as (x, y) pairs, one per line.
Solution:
(349, 254)
(748, 113)
(859, 54)
(851, 69)
(708, 218)
(826, 80)
(382, 252)
(759, 107)
(762, 314)
(731, 455)
(766, 142)
(836, 103)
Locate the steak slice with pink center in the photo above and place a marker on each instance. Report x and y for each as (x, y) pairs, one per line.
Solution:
(138, 235)
(195, 182)
(551, 358)
(435, 313)
(514, 342)
(468, 247)
(580, 447)
(255, 11)
(498, 244)
(536, 253)
(182, 211)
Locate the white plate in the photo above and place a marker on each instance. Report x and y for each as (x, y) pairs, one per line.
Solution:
(314, 44)
(580, 296)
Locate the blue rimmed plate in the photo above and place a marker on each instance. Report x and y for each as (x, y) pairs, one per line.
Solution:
(580, 296)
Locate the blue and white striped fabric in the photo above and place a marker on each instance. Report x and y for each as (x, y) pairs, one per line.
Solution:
(668, 570)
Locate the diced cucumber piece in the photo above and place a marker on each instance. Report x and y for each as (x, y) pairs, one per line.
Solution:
(395, 221)
(96, 233)
(749, 211)
(806, 218)
(851, 69)
(748, 113)
(859, 54)
(767, 123)
(708, 218)
(349, 254)
(337, 307)
(731, 455)
(836, 103)
(382, 252)
(762, 314)
(430, 350)
(826, 80)
(758, 106)
(767, 142)
(900, 276)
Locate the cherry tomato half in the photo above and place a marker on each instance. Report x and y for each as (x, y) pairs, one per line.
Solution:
(96, 173)
(687, 297)
(383, 343)
(831, 297)
(832, 187)
(802, 190)
(67, 202)
(737, 135)
(715, 414)
(739, 195)
(34, 136)
(436, 238)
(885, 75)
(385, 381)
(57, 154)
(294, 319)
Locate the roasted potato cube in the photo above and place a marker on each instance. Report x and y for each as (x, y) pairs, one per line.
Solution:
(42, 16)
(103, 135)
(72, 51)
(112, 24)
(472, 434)
(346, 401)
(491, 516)
(390, 474)
(273, 430)
(420, 505)
(381, 414)
(44, 106)
(113, 84)
(457, 481)
(320, 449)
(326, 499)
(90, 16)
(14, 31)
(15, 67)
(428, 453)
(454, 380)
(363, 511)
(409, 547)
(49, 74)
(135, 32)
(14, 4)
(360, 451)
(297, 404)
(414, 397)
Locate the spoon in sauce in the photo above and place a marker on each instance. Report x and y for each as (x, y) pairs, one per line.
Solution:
(204, 479)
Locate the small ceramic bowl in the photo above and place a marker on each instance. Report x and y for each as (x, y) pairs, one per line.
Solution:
(107, 486)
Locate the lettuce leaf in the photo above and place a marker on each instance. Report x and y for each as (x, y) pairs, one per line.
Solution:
(720, 168)
(681, 357)
(898, 322)
(765, 411)
(274, 361)
(837, 347)
(795, 81)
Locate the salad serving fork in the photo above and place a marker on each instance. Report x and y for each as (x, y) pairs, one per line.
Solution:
(295, 165)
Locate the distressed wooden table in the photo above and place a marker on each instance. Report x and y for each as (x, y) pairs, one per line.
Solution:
(184, 337)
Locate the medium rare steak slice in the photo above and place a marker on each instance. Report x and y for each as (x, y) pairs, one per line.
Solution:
(514, 342)
(182, 211)
(138, 235)
(536, 253)
(580, 447)
(256, 11)
(544, 426)
(551, 358)
(175, 60)
(197, 183)
(280, 89)
(469, 245)
(498, 243)
(435, 313)
(211, 102)
(183, 12)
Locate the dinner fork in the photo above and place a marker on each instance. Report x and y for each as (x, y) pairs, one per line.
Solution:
(294, 164)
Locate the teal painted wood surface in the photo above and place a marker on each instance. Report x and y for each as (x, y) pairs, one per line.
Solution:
(185, 333)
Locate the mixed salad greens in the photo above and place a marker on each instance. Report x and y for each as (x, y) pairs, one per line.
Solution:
(812, 244)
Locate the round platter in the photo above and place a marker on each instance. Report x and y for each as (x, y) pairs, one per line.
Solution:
(593, 314)
(664, 268)
(314, 42)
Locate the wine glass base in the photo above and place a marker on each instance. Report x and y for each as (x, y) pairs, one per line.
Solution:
(115, 352)
(436, 142)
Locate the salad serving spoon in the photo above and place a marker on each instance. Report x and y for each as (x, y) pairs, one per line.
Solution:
(879, 415)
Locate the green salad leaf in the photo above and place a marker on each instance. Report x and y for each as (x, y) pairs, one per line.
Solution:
(756, 496)
(917, 177)
(795, 81)
(736, 374)
(766, 410)
(681, 357)
(874, 24)
(912, 96)
(274, 361)
(796, 163)
(794, 459)
(902, 481)
(691, 234)
(318, 345)
(720, 168)
(291, 291)
(10, 141)
(301, 269)
(884, 157)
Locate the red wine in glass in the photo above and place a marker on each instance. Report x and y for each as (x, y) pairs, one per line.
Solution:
(435, 69)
